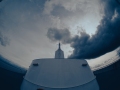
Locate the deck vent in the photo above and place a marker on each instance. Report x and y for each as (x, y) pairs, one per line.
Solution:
(35, 64)
(84, 64)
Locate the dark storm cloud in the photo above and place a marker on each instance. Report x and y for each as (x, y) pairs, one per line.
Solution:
(0, 0)
(106, 38)
(118, 1)
(62, 35)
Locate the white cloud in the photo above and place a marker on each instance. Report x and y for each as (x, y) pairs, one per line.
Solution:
(74, 13)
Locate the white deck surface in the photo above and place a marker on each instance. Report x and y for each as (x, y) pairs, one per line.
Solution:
(59, 73)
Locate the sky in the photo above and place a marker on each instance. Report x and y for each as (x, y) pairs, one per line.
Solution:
(32, 29)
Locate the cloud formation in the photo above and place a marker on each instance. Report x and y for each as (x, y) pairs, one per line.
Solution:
(26, 23)
(62, 35)
(4, 41)
(106, 38)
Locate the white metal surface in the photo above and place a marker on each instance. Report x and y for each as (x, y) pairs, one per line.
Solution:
(59, 73)
(26, 85)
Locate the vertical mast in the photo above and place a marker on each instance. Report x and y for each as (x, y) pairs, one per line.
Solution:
(59, 54)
